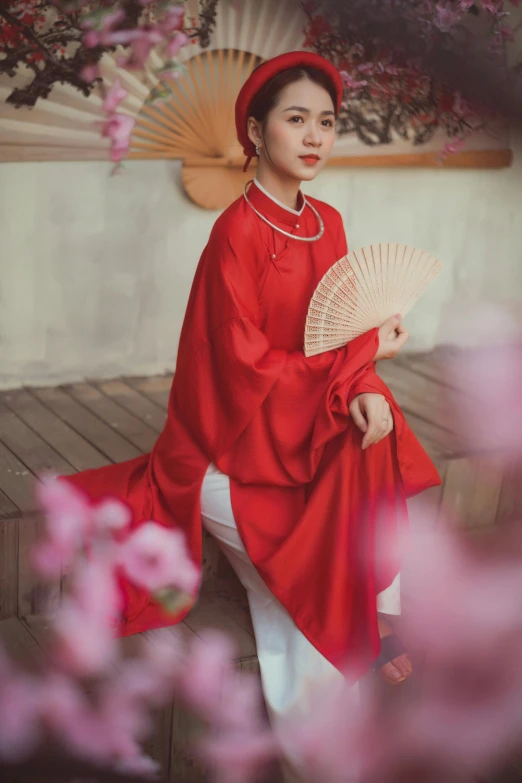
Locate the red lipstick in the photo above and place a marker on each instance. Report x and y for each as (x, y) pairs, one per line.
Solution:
(310, 160)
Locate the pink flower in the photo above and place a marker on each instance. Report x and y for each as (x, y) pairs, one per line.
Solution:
(493, 6)
(351, 83)
(493, 372)
(143, 683)
(90, 73)
(119, 128)
(238, 757)
(177, 41)
(173, 19)
(85, 646)
(206, 674)
(95, 589)
(62, 703)
(20, 700)
(445, 18)
(111, 515)
(114, 97)
(155, 557)
(67, 525)
(141, 46)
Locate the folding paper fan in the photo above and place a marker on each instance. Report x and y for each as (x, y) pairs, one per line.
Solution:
(362, 290)
(196, 121)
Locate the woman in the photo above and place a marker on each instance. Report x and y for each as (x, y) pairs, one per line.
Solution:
(298, 466)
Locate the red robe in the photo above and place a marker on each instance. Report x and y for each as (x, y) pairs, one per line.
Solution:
(311, 507)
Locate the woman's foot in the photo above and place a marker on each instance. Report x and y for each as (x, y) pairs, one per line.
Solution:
(399, 668)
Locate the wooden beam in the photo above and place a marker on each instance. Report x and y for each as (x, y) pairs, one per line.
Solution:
(470, 159)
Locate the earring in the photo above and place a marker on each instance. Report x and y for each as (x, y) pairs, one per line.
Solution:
(258, 149)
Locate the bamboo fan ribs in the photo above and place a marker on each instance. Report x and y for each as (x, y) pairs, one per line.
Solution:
(363, 289)
(194, 122)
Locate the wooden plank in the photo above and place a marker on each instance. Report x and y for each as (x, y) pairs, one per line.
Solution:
(177, 637)
(183, 764)
(158, 746)
(249, 665)
(8, 510)
(29, 447)
(134, 402)
(443, 366)
(430, 436)
(19, 643)
(211, 557)
(77, 451)
(460, 480)
(422, 398)
(472, 490)
(170, 743)
(129, 426)
(468, 159)
(433, 366)
(230, 596)
(39, 626)
(425, 509)
(16, 481)
(510, 501)
(8, 568)
(156, 388)
(483, 500)
(35, 595)
(209, 613)
(106, 439)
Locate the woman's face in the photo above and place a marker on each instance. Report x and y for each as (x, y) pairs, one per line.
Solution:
(299, 131)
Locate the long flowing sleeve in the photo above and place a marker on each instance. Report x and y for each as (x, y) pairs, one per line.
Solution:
(255, 409)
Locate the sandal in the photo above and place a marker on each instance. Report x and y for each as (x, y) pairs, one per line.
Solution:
(391, 648)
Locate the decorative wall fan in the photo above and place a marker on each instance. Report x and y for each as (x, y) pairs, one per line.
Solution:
(195, 124)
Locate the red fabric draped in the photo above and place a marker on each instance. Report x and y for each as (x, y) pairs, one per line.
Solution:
(314, 511)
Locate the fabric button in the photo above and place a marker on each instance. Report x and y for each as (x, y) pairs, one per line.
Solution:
(273, 255)
(297, 225)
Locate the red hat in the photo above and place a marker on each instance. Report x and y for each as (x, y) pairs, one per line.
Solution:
(267, 71)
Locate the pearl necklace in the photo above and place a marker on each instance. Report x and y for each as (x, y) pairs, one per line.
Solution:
(287, 233)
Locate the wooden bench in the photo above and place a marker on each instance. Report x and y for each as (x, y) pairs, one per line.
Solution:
(85, 425)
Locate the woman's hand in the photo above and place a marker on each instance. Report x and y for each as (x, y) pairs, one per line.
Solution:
(372, 415)
(392, 336)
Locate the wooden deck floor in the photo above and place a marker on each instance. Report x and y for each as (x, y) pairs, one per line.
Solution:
(74, 427)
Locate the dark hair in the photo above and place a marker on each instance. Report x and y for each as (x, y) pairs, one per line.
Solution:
(265, 100)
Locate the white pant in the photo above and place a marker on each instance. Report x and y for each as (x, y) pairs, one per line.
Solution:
(291, 667)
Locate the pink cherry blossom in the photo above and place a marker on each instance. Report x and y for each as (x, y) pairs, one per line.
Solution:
(493, 6)
(20, 699)
(67, 525)
(238, 757)
(155, 557)
(85, 645)
(90, 73)
(495, 368)
(119, 128)
(207, 673)
(177, 41)
(445, 17)
(62, 702)
(173, 19)
(114, 97)
(95, 589)
(351, 83)
(141, 46)
(111, 515)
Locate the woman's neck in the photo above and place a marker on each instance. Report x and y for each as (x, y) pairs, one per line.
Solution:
(284, 190)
